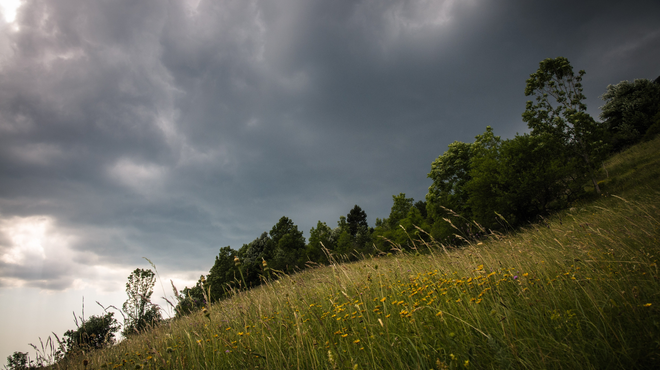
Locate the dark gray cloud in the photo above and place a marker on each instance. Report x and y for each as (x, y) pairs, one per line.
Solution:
(170, 129)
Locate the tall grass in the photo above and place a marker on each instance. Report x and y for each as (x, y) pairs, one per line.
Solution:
(633, 170)
(578, 291)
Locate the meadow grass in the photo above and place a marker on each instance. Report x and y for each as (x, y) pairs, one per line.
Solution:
(577, 291)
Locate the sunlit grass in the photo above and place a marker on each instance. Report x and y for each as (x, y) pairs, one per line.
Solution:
(578, 291)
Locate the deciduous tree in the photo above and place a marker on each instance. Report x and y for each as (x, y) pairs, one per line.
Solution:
(447, 195)
(559, 111)
(319, 237)
(140, 311)
(449, 172)
(252, 256)
(288, 245)
(518, 179)
(223, 271)
(630, 109)
(400, 208)
(94, 333)
(18, 361)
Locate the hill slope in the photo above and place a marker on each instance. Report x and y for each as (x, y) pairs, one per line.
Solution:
(577, 291)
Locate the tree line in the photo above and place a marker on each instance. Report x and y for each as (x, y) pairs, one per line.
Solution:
(488, 185)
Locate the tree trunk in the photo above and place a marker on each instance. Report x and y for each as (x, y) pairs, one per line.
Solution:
(595, 185)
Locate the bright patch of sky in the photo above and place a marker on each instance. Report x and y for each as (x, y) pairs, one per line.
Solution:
(26, 236)
(9, 8)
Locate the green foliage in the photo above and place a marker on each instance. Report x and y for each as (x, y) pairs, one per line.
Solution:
(252, 256)
(456, 198)
(447, 195)
(190, 300)
(484, 174)
(223, 272)
(345, 243)
(405, 216)
(320, 236)
(421, 206)
(536, 178)
(496, 184)
(141, 313)
(555, 78)
(283, 250)
(96, 332)
(399, 210)
(410, 225)
(559, 112)
(288, 245)
(630, 109)
(350, 239)
(18, 361)
(356, 219)
(215, 286)
(342, 225)
(514, 181)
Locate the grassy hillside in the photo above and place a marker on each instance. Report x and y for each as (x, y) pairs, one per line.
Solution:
(577, 291)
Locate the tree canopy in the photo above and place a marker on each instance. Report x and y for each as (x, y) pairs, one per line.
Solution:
(494, 183)
(559, 112)
(94, 333)
(630, 109)
(140, 311)
(288, 245)
(356, 218)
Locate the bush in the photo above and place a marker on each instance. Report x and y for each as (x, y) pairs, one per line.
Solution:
(18, 361)
(97, 332)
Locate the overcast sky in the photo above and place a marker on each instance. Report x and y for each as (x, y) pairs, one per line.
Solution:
(169, 129)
